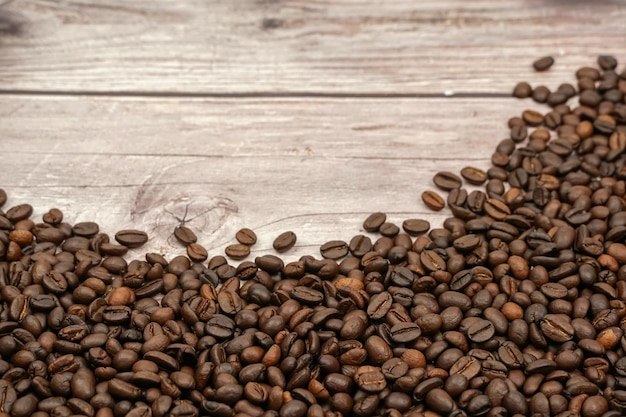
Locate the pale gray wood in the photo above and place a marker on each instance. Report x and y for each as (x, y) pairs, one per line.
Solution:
(317, 167)
(295, 47)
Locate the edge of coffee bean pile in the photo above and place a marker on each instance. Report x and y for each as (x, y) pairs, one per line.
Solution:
(515, 307)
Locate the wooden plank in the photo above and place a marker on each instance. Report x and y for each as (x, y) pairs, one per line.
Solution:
(317, 167)
(300, 47)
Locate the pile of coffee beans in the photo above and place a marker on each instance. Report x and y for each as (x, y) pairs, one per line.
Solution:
(515, 307)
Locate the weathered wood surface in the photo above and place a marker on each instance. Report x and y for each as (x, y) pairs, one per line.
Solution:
(275, 115)
(352, 47)
(317, 166)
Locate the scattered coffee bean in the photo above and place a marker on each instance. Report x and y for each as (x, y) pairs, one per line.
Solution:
(237, 251)
(284, 241)
(543, 64)
(246, 237)
(185, 235)
(447, 181)
(522, 90)
(131, 238)
(374, 221)
(474, 176)
(433, 201)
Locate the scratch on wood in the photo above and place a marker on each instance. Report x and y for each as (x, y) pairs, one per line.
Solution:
(373, 127)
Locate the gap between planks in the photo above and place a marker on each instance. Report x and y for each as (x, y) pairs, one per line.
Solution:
(251, 94)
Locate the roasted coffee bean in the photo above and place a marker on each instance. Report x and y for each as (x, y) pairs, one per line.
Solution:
(185, 235)
(131, 238)
(543, 64)
(447, 181)
(557, 327)
(522, 90)
(237, 251)
(374, 221)
(370, 379)
(433, 201)
(473, 175)
(246, 237)
(284, 241)
(415, 227)
(335, 249)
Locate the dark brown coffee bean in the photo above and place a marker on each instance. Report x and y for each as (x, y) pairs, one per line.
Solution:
(370, 379)
(246, 237)
(284, 241)
(374, 221)
(415, 227)
(294, 408)
(123, 390)
(379, 305)
(360, 245)
(19, 212)
(197, 252)
(131, 238)
(447, 181)
(473, 175)
(404, 332)
(543, 64)
(557, 327)
(85, 229)
(185, 235)
(237, 251)
(481, 331)
(307, 295)
(433, 201)
(335, 249)
(440, 401)
(388, 229)
(522, 90)
(540, 94)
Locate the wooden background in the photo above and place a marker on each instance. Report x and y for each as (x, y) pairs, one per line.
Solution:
(269, 114)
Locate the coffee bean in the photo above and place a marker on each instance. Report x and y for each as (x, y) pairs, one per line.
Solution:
(185, 235)
(522, 90)
(85, 229)
(432, 200)
(447, 181)
(557, 327)
(237, 251)
(404, 332)
(246, 237)
(379, 305)
(19, 212)
(131, 238)
(360, 245)
(335, 249)
(374, 221)
(543, 64)
(415, 227)
(481, 331)
(197, 252)
(440, 401)
(473, 175)
(370, 379)
(284, 241)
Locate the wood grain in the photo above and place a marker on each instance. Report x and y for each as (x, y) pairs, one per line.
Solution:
(348, 47)
(317, 166)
